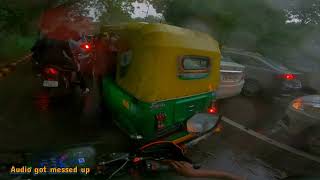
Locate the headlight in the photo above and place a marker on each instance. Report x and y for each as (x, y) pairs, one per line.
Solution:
(309, 106)
(297, 104)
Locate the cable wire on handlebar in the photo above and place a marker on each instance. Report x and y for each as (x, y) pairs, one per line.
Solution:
(124, 157)
(115, 172)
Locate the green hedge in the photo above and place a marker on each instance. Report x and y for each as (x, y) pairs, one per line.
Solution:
(14, 46)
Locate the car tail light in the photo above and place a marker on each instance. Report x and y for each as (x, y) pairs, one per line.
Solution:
(287, 76)
(51, 71)
(213, 108)
(297, 104)
(160, 118)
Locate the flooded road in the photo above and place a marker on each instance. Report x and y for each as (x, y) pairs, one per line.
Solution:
(29, 121)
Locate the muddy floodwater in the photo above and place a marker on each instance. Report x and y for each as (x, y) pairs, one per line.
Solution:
(30, 121)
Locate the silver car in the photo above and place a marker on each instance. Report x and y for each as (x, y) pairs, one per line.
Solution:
(302, 121)
(231, 78)
(265, 75)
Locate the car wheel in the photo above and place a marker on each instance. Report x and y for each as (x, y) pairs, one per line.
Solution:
(250, 88)
(313, 142)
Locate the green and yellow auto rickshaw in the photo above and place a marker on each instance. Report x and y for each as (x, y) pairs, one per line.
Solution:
(165, 82)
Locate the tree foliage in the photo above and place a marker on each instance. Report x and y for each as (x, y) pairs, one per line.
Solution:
(260, 25)
(305, 11)
(247, 24)
(116, 11)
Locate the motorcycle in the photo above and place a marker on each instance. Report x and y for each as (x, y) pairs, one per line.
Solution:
(59, 80)
(62, 79)
(86, 162)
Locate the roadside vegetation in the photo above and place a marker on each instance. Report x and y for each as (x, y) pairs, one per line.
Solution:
(280, 30)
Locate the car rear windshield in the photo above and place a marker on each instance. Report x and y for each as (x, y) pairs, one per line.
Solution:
(226, 59)
(277, 64)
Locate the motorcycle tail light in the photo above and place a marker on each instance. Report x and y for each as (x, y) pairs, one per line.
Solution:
(51, 71)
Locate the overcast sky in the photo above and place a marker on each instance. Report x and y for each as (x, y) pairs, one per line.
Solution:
(141, 9)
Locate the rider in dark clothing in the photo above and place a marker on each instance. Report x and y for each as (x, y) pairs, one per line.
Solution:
(51, 51)
(56, 52)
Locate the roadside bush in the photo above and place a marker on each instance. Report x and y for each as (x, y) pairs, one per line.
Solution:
(14, 46)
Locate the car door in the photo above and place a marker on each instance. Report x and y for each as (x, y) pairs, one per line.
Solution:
(256, 69)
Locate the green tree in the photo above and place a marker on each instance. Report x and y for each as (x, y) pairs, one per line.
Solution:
(115, 11)
(247, 24)
(150, 19)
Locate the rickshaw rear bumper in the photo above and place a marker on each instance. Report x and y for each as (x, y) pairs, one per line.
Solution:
(187, 136)
(192, 138)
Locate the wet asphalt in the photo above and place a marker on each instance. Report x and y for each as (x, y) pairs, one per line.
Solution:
(31, 121)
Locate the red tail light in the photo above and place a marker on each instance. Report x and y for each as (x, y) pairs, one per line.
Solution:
(85, 46)
(137, 159)
(51, 71)
(213, 109)
(288, 76)
(160, 118)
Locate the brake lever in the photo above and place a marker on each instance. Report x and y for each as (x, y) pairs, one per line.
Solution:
(119, 169)
(123, 157)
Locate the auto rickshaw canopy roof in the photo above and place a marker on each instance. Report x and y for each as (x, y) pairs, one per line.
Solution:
(148, 65)
(160, 35)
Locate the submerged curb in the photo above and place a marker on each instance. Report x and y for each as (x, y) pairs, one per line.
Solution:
(8, 68)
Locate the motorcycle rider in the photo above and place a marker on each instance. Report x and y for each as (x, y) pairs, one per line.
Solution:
(80, 55)
(47, 50)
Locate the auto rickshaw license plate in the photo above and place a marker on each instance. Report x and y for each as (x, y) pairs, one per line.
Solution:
(50, 83)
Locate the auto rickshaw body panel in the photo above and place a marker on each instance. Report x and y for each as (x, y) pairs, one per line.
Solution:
(165, 75)
(154, 51)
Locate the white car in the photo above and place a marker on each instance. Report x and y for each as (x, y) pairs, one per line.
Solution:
(231, 78)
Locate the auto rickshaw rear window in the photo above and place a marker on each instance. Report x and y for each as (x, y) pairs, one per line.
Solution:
(193, 67)
(195, 63)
